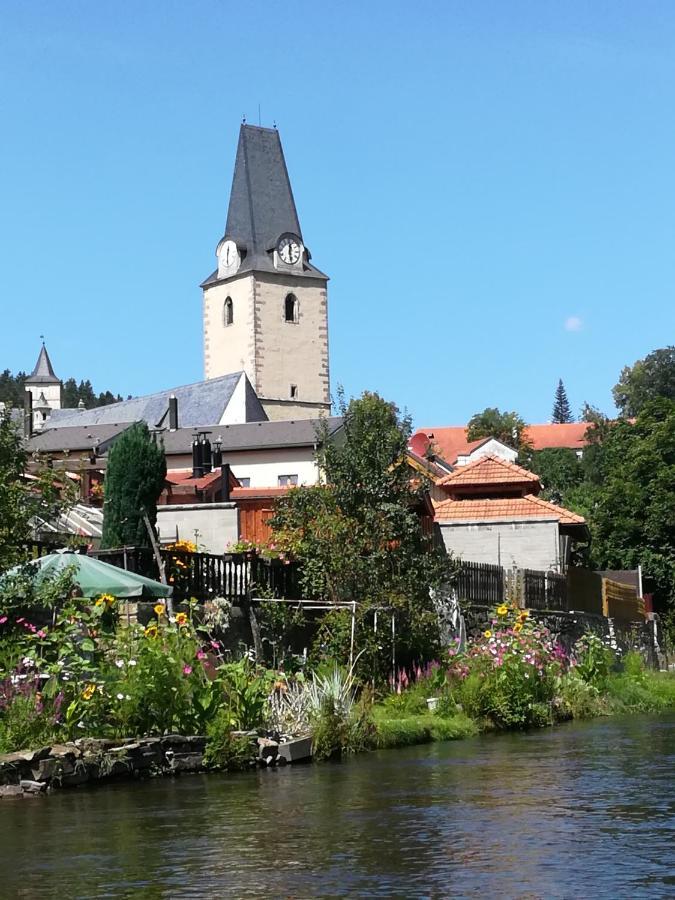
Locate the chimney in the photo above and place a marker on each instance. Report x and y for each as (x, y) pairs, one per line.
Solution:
(217, 453)
(27, 414)
(197, 469)
(206, 454)
(173, 413)
(225, 483)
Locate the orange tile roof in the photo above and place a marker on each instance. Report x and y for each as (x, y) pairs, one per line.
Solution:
(451, 442)
(528, 507)
(568, 434)
(489, 470)
(185, 479)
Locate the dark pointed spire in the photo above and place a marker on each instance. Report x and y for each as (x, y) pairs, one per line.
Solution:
(262, 207)
(43, 373)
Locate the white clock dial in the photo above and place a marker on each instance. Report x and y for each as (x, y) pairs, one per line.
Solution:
(289, 250)
(229, 255)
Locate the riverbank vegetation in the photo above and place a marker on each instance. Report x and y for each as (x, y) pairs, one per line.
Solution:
(80, 669)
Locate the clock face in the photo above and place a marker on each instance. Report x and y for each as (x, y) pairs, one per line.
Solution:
(289, 250)
(229, 255)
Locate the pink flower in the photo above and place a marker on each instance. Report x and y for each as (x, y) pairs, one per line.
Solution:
(3, 619)
(42, 633)
(187, 670)
(201, 654)
(215, 645)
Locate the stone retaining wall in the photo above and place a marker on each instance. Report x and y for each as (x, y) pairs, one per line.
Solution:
(91, 760)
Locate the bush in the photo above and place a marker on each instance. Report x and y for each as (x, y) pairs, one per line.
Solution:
(508, 674)
(577, 699)
(26, 724)
(225, 750)
(593, 659)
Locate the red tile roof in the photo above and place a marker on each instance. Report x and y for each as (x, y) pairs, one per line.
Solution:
(450, 442)
(490, 470)
(185, 479)
(569, 434)
(528, 507)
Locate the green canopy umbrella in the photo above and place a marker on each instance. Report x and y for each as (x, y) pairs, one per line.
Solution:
(94, 577)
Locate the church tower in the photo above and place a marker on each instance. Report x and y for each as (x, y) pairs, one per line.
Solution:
(265, 306)
(45, 389)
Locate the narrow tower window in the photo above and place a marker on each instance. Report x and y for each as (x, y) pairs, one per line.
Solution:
(228, 312)
(291, 308)
(294, 392)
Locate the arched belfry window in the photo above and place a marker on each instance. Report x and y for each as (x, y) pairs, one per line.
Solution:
(291, 308)
(228, 312)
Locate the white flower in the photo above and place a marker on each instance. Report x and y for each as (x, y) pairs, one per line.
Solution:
(119, 663)
(127, 696)
(28, 662)
(132, 662)
(120, 696)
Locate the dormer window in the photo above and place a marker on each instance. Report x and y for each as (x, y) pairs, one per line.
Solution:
(291, 308)
(228, 312)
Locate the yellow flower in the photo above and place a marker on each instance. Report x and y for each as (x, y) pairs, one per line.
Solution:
(502, 610)
(487, 634)
(151, 631)
(89, 692)
(524, 614)
(181, 618)
(159, 609)
(518, 627)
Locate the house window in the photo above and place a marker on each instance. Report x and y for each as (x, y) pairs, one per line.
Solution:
(244, 482)
(287, 480)
(291, 308)
(293, 393)
(228, 312)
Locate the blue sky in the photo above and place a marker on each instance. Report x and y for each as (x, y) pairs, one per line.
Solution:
(490, 186)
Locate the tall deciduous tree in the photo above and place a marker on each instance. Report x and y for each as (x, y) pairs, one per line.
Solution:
(562, 412)
(134, 480)
(632, 497)
(507, 427)
(646, 380)
(359, 536)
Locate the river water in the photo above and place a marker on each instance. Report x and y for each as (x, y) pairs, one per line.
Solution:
(584, 810)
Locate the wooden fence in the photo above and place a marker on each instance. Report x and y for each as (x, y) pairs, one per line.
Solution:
(481, 583)
(543, 590)
(232, 576)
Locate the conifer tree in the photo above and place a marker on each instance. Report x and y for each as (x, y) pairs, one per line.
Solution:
(134, 479)
(562, 411)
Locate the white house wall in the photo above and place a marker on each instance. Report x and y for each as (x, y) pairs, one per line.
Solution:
(526, 544)
(263, 467)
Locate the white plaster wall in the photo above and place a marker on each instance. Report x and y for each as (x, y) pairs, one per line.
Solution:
(492, 448)
(526, 544)
(229, 348)
(217, 524)
(263, 466)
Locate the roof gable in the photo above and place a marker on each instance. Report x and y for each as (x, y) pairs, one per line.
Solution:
(490, 471)
(202, 403)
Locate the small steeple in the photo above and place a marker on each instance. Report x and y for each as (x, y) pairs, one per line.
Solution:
(43, 373)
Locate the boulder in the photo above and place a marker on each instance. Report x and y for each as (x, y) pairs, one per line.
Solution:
(10, 790)
(32, 787)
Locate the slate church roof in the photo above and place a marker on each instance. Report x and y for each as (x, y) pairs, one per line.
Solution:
(261, 207)
(43, 373)
(202, 403)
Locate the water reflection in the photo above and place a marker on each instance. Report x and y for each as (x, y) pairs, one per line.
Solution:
(579, 811)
